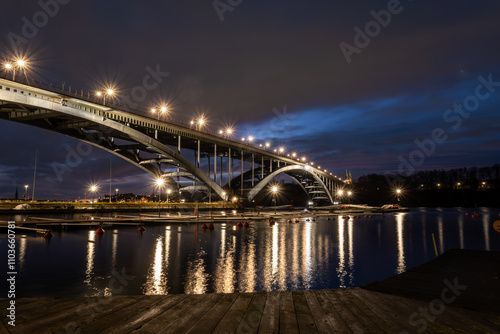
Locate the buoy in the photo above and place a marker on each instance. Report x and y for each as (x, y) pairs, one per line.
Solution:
(314, 219)
(204, 226)
(48, 235)
(245, 224)
(307, 219)
(296, 220)
(99, 230)
(289, 221)
(271, 222)
(141, 229)
(476, 215)
(467, 214)
(239, 224)
(210, 226)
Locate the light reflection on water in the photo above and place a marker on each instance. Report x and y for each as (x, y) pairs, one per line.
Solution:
(182, 258)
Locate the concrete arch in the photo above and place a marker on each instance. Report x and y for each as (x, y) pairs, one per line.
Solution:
(259, 186)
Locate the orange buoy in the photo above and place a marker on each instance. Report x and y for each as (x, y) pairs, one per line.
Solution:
(307, 219)
(99, 230)
(296, 220)
(289, 221)
(48, 235)
(141, 229)
(271, 222)
(314, 219)
(239, 224)
(210, 226)
(204, 226)
(245, 224)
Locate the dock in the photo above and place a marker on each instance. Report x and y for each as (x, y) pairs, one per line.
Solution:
(457, 292)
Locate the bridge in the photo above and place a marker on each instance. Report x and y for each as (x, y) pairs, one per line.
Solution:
(190, 158)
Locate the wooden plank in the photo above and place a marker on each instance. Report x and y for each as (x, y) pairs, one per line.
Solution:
(133, 315)
(232, 318)
(305, 319)
(321, 319)
(358, 314)
(209, 320)
(396, 320)
(183, 324)
(79, 313)
(288, 318)
(338, 323)
(3, 328)
(270, 321)
(170, 315)
(251, 319)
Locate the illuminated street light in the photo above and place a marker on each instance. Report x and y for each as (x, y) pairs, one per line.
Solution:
(159, 184)
(104, 93)
(26, 192)
(168, 193)
(294, 155)
(93, 189)
(19, 63)
(303, 158)
(250, 138)
(162, 109)
(268, 144)
(274, 190)
(398, 193)
(116, 194)
(281, 149)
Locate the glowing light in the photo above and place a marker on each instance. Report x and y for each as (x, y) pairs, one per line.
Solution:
(268, 144)
(159, 182)
(398, 191)
(282, 149)
(21, 63)
(8, 66)
(340, 192)
(242, 138)
(303, 159)
(110, 92)
(294, 154)
(250, 138)
(274, 189)
(164, 109)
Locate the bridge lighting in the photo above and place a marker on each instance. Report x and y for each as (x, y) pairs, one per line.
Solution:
(294, 154)
(107, 91)
(250, 138)
(268, 144)
(303, 159)
(340, 192)
(221, 132)
(281, 149)
(242, 138)
(275, 150)
(21, 63)
(349, 193)
(260, 145)
(8, 66)
(307, 167)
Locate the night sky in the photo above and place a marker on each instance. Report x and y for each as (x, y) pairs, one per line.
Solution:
(352, 85)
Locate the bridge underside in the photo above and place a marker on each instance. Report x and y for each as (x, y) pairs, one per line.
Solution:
(189, 160)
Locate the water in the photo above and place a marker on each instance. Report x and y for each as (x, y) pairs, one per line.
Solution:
(181, 258)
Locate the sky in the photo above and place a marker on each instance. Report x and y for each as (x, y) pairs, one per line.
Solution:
(370, 86)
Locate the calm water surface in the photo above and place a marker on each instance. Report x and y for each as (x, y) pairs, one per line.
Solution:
(182, 258)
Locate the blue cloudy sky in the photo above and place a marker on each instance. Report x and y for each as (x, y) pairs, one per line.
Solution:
(363, 115)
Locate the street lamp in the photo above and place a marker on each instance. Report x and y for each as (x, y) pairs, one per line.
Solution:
(349, 193)
(93, 189)
(398, 194)
(161, 109)
(159, 183)
(116, 195)
(103, 93)
(26, 192)
(274, 190)
(168, 193)
(19, 63)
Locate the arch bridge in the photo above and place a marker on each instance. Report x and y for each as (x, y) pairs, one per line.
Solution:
(190, 159)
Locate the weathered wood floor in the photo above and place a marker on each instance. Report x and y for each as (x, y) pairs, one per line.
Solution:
(413, 302)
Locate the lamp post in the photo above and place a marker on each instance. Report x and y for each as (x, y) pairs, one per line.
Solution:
(274, 189)
(116, 195)
(168, 193)
(349, 193)
(107, 91)
(398, 194)
(19, 63)
(339, 194)
(26, 192)
(93, 190)
(159, 183)
(161, 109)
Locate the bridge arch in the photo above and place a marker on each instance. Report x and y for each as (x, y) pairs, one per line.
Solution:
(291, 169)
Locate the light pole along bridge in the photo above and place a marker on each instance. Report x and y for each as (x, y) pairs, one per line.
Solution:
(204, 161)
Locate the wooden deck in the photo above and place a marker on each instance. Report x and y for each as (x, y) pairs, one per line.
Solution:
(411, 302)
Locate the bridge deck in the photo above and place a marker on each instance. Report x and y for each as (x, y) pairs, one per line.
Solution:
(352, 310)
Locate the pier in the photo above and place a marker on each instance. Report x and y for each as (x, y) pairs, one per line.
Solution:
(458, 291)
